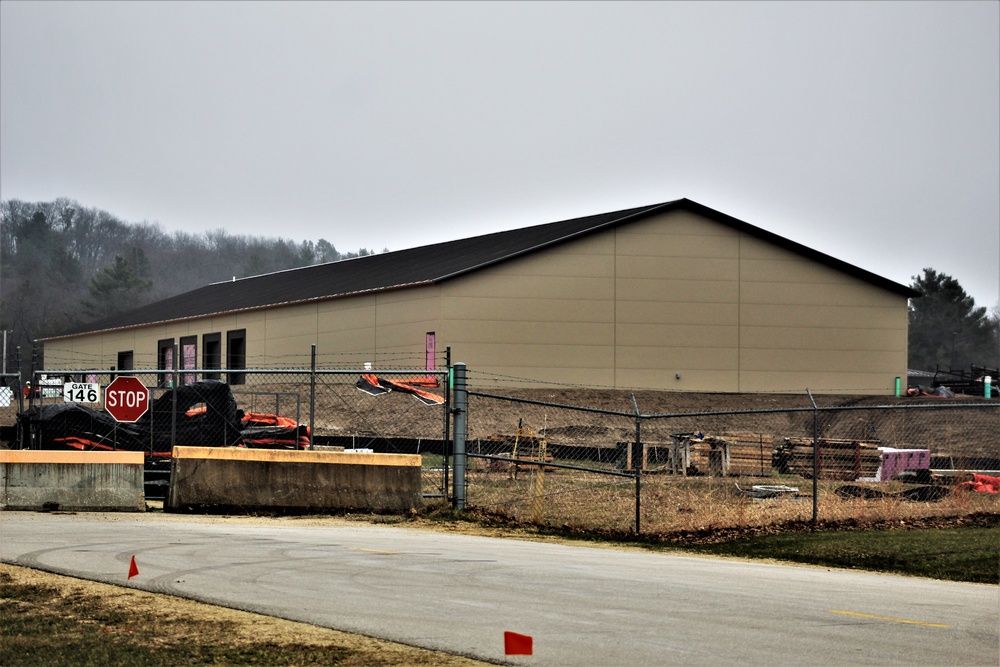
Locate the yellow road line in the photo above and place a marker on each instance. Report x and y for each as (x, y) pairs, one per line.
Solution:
(887, 618)
(375, 551)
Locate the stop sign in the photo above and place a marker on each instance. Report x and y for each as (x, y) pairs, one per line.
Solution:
(126, 399)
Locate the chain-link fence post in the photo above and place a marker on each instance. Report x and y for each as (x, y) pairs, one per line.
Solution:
(637, 464)
(815, 493)
(21, 436)
(175, 377)
(460, 411)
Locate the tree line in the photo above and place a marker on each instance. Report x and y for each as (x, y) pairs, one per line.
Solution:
(63, 264)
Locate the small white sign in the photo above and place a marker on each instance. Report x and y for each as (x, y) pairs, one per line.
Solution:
(81, 392)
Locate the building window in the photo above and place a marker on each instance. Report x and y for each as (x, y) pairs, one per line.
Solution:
(165, 361)
(236, 355)
(189, 358)
(125, 361)
(211, 355)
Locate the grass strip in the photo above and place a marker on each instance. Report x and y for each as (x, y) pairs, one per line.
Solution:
(969, 554)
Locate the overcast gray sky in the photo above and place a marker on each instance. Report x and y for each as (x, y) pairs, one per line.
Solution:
(869, 131)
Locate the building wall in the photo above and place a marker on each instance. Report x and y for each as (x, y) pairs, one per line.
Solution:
(675, 302)
(678, 295)
(548, 316)
(823, 329)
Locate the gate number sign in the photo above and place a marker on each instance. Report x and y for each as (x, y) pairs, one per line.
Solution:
(81, 392)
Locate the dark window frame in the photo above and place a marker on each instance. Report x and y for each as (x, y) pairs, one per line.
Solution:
(236, 355)
(211, 355)
(126, 360)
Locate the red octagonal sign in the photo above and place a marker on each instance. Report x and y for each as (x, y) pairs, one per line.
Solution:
(126, 399)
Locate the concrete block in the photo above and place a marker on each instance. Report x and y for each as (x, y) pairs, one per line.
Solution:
(72, 481)
(226, 479)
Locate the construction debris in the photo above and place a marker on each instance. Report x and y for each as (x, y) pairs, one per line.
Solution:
(763, 491)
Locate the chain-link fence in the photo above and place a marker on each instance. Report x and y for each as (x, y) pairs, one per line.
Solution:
(366, 410)
(597, 460)
(619, 468)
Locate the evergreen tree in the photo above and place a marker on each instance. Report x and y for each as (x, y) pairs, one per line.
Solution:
(119, 287)
(947, 331)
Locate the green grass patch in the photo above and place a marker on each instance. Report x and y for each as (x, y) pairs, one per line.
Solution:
(959, 554)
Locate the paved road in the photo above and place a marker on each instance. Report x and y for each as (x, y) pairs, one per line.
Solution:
(582, 606)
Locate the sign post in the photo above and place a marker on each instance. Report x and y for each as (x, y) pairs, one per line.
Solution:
(126, 399)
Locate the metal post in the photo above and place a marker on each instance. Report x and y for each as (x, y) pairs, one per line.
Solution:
(31, 375)
(461, 431)
(173, 409)
(22, 437)
(20, 385)
(312, 397)
(815, 517)
(637, 465)
(446, 430)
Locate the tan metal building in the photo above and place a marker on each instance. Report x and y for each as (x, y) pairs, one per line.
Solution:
(672, 296)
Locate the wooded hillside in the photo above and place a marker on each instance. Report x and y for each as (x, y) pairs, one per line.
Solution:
(62, 264)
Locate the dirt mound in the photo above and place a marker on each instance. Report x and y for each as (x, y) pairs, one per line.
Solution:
(938, 425)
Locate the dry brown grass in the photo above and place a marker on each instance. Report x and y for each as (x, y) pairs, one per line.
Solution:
(52, 619)
(589, 502)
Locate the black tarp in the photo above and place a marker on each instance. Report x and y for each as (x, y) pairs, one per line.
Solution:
(206, 416)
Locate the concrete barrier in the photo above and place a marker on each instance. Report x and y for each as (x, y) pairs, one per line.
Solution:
(71, 481)
(224, 479)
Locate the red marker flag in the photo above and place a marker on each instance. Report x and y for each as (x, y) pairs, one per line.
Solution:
(515, 644)
(133, 569)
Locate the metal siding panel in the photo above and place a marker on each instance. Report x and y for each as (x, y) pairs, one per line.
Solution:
(674, 359)
(813, 338)
(810, 293)
(678, 335)
(820, 316)
(569, 333)
(691, 290)
(508, 312)
(648, 312)
(685, 267)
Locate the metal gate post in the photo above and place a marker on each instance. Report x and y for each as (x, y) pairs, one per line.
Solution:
(460, 411)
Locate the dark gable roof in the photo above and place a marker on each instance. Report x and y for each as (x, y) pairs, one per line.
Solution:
(423, 266)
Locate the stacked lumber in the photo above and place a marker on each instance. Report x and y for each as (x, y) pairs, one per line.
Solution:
(709, 455)
(736, 453)
(838, 458)
(749, 453)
